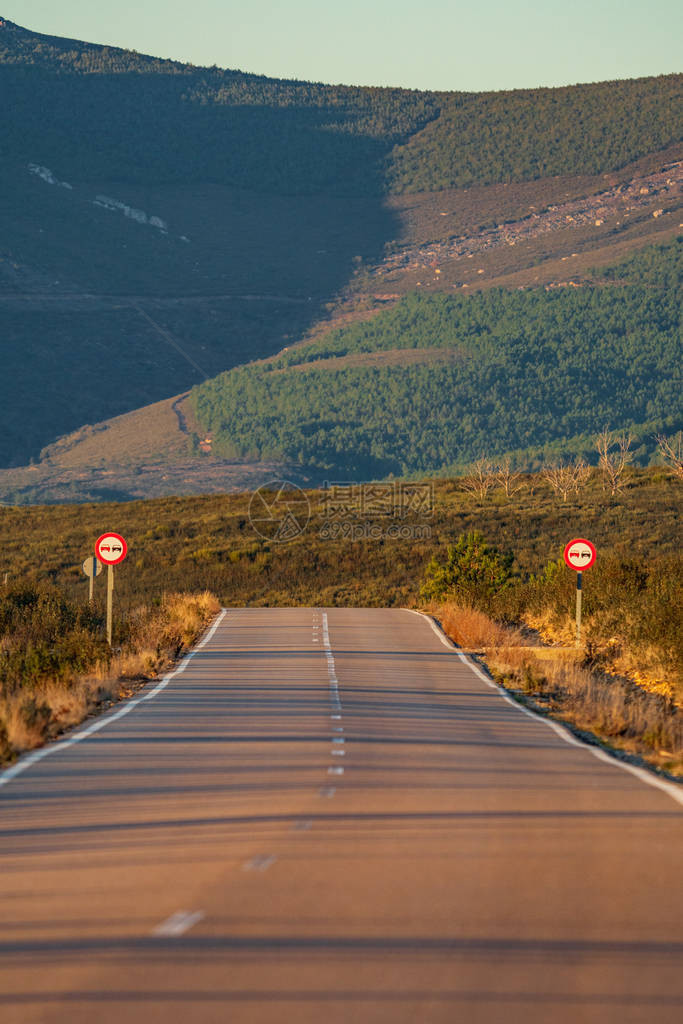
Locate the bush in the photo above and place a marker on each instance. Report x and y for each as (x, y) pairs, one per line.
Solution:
(473, 571)
(631, 614)
(56, 667)
(45, 634)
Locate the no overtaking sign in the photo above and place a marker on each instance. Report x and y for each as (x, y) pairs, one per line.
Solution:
(111, 548)
(579, 554)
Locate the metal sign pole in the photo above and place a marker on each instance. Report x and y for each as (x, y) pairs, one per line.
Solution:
(92, 567)
(110, 601)
(578, 608)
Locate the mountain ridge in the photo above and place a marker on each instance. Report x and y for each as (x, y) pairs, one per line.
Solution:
(405, 140)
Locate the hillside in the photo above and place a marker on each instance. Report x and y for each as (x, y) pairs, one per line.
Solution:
(145, 453)
(119, 313)
(523, 135)
(164, 223)
(199, 542)
(439, 380)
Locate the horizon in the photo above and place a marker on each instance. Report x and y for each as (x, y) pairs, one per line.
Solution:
(525, 57)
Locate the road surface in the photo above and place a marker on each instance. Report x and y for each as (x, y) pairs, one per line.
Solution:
(329, 816)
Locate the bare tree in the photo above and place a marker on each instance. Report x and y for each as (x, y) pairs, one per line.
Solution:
(480, 477)
(671, 450)
(566, 478)
(614, 451)
(507, 478)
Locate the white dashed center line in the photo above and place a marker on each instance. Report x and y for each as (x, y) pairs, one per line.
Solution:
(260, 863)
(336, 705)
(178, 923)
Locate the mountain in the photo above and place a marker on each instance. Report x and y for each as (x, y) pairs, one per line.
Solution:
(439, 380)
(164, 223)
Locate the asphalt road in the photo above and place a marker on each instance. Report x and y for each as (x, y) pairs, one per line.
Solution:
(329, 816)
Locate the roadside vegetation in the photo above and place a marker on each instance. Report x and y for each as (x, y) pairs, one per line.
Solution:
(56, 667)
(624, 684)
(632, 610)
(634, 713)
(487, 563)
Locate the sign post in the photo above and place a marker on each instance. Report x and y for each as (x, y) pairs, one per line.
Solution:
(110, 602)
(111, 549)
(579, 554)
(92, 567)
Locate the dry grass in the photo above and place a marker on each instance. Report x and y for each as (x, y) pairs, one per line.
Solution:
(645, 665)
(158, 636)
(471, 628)
(51, 708)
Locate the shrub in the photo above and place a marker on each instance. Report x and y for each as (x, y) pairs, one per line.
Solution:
(472, 571)
(45, 634)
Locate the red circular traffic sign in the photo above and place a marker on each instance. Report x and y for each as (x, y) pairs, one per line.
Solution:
(111, 548)
(579, 554)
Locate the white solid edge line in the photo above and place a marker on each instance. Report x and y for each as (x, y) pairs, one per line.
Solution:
(669, 788)
(37, 755)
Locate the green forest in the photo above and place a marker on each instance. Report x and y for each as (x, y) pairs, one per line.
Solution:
(501, 372)
(486, 138)
(86, 109)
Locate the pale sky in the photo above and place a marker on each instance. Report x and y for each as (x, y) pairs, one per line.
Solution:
(436, 44)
